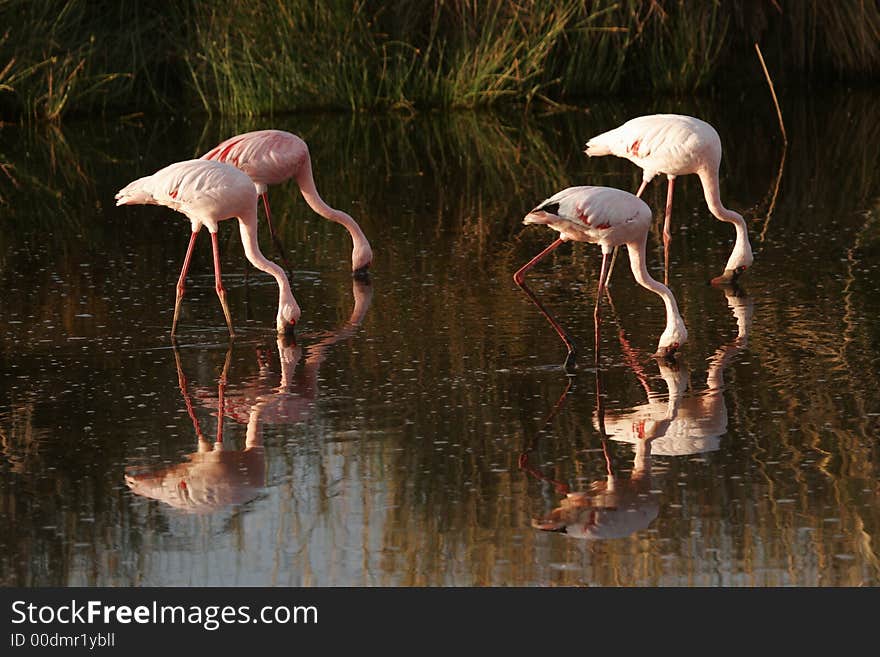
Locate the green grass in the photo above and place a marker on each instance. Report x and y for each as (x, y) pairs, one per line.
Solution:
(247, 58)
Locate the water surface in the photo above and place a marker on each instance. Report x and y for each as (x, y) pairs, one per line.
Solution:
(420, 430)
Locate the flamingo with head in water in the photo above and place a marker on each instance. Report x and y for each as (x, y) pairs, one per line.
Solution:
(271, 157)
(677, 145)
(607, 217)
(206, 193)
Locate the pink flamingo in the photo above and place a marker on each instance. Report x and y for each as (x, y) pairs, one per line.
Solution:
(678, 423)
(217, 475)
(613, 507)
(607, 217)
(214, 476)
(270, 157)
(206, 193)
(677, 145)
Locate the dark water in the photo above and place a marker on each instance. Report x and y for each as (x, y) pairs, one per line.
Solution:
(421, 431)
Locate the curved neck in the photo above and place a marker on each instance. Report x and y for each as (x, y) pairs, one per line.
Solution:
(306, 182)
(640, 272)
(254, 434)
(247, 226)
(712, 192)
(742, 250)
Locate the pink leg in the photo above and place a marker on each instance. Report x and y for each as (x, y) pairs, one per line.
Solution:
(221, 395)
(519, 279)
(642, 188)
(181, 282)
(600, 413)
(274, 235)
(667, 235)
(181, 382)
(597, 312)
(523, 460)
(218, 284)
(519, 276)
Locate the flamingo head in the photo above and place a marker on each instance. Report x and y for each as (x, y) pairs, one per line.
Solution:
(741, 258)
(730, 276)
(672, 339)
(361, 259)
(288, 315)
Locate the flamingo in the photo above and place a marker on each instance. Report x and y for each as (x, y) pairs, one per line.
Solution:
(218, 476)
(613, 507)
(270, 157)
(213, 477)
(677, 423)
(206, 193)
(607, 217)
(677, 145)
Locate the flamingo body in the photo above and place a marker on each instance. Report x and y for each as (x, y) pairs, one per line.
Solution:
(677, 145)
(684, 424)
(210, 479)
(206, 193)
(611, 509)
(270, 157)
(598, 215)
(670, 144)
(610, 218)
(202, 191)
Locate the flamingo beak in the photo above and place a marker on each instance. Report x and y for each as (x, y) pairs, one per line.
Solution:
(668, 353)
(549, 526)
(288, 339)
(289, 331)
(362, 273)
(729, 276)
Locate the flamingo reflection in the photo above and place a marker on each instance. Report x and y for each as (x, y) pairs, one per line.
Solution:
(684, 424)
(256, 404)
(611, 507)
(616, 507)
(215, 476)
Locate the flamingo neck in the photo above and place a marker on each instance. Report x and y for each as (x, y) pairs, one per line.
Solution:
(247, 226)
(254, 433)
(362, 253)
(675, 332)
(642, 459)
(741, 256)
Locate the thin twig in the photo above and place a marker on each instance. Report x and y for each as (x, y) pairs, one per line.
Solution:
(773, 93)
(784, 140)
(774, 195)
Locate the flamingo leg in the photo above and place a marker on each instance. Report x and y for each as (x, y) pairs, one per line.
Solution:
(274, 235)
(519, 275)
(181, 382)
(523, 460)
(597, 310)
(218, 284)
(181, 282)
(519, 279)
(614, 254)
(667, 235)
(221, 395)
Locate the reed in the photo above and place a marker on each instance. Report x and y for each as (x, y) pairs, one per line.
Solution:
(63, 56)
(248, 59)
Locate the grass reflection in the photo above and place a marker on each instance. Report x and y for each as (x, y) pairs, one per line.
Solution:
(407, 471)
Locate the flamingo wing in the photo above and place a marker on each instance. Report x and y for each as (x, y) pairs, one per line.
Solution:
(269, 157)
(671, 144)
